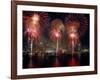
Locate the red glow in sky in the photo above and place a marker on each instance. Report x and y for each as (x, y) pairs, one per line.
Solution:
(72, 35)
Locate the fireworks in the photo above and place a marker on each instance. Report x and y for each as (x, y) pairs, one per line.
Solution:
(55, 33)
(59, 34)
(35, 18)
(76, 25)
(73, 27)
(56, 27)
(72, 35)
(78, 21)
(32, 27)
(73, 41)
(34, 24)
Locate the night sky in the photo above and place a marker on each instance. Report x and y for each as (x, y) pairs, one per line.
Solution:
(54, 15)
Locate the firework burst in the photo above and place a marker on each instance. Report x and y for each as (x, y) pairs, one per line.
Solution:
(76, 25)
(55, 33)
(56, 27)
(80, 20)
(35, 22)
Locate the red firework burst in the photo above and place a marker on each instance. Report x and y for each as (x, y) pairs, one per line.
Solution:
(34, 24)
(56, 27)
(79, 21)
(43, 19)
(54, 35)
